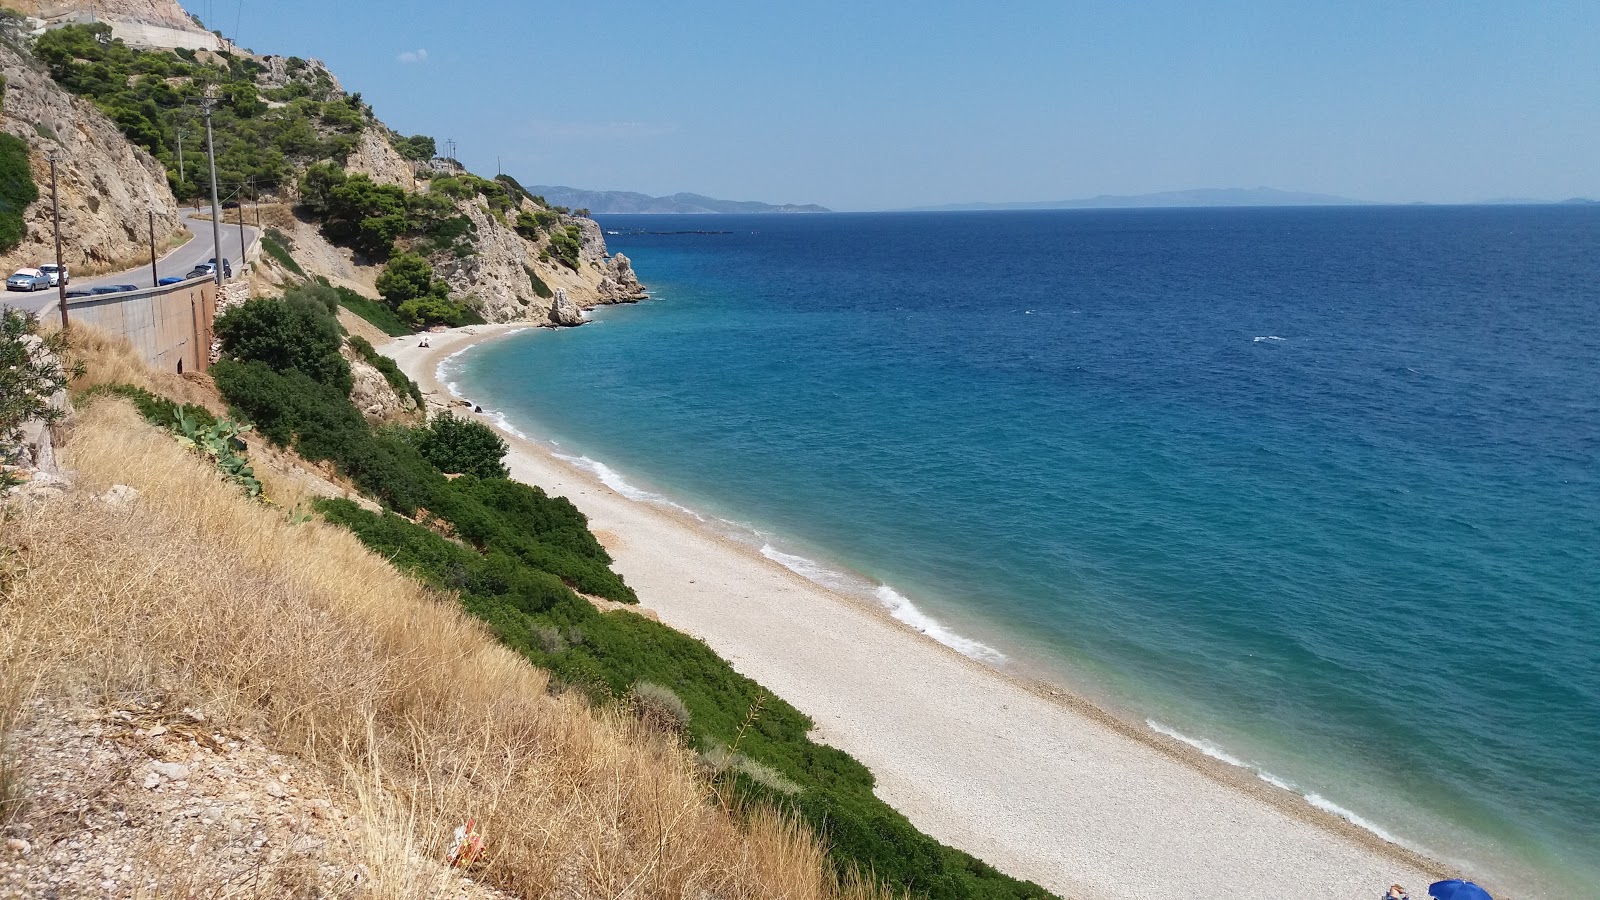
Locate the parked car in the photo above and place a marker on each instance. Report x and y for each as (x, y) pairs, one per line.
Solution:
(79, 292)
(28, 280)
(171, 280)
(58, 275)
(227, 266)
(106, 289)
(120, 288)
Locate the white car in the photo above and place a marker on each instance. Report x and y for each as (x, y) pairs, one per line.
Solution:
(58, 275)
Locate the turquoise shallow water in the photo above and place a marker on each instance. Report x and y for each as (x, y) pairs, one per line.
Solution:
(1316, 489)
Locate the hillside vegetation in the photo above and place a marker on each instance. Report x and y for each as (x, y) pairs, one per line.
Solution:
(201, 617)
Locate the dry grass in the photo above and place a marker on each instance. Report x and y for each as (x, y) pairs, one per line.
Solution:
(200, 597)
(112, 361)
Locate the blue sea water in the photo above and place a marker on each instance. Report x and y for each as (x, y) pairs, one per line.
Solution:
(1316, 489)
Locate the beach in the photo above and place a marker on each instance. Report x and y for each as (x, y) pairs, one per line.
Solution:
(1030, 779)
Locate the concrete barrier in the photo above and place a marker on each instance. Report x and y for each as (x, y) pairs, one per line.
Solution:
(170, 326)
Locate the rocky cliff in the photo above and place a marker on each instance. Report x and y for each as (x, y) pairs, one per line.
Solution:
(506, 279)
(145, 23)
(107, 186)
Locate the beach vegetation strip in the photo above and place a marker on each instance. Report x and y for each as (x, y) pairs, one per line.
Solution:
(521, 561)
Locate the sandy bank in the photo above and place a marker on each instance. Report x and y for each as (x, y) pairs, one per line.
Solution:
(1044, 787)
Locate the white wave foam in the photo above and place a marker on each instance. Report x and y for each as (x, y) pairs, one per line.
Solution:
(899, 606)
(1206, 747)
(1325, 805)
(613, 479)
(1317, 800)
(1269, 337)
(902, 609)
(502, 423)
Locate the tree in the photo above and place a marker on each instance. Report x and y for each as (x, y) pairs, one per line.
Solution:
(455, 445)
(416, 147)
(297, 333)
(406, 277)
(17, 190)
(30, 374)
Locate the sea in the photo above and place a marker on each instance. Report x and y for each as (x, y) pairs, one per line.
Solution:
(1315, 491)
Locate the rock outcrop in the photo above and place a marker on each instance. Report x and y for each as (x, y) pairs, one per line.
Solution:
(504, 275)
(564, 312)
(372, 394)
(107, 186)
(375, 157)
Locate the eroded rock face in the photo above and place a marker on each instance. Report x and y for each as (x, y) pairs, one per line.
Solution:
(372, 394)
(377, 158)
(107, 186)
(498, 279)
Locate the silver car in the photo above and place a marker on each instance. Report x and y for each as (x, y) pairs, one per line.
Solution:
(28, 280)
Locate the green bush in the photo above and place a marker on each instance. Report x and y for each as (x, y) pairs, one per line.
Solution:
(408, 286)
(460, 446)
(417, 147)
(30, 374)
(565, 244)
(539, 287)
(398, 380)
(277, 244)
(17, 190)
(378, 314)
(297, 333)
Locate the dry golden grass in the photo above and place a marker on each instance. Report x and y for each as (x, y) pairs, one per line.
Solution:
(200, 597)
(112, 361)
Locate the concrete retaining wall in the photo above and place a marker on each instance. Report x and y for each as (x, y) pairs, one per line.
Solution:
(169, 326)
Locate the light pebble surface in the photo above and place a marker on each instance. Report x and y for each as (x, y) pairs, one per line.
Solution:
(1043, 788)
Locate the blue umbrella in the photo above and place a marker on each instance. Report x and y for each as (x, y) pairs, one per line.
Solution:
(1456, 889)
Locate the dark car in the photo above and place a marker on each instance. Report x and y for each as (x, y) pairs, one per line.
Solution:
(105, 289)
(79, 292)
(227, 266)
(125, 287)
(171, 280)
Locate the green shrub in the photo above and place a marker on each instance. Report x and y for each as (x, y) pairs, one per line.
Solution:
(461, 446)
(565, 245)
(660, 707)
(297, 333)
(17, 190)
(30, 374)
(398, 380)
(408, 286)
(418, 147)
(539, 287)
(277, 244)
(378, 314)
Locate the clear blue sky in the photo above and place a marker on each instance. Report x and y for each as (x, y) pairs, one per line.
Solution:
(872, 105)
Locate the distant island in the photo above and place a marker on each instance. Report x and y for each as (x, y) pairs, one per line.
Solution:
(620, 202)
(1261, 196)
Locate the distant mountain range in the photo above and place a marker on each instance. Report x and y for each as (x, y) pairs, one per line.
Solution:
(1261, 196)
(619, 202)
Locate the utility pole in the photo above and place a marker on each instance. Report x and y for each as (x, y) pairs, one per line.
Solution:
(154, 278)
(241, 229)
(61, 274)
(179, 129)
(216, 208)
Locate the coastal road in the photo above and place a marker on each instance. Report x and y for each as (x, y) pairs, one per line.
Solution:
(174, 265)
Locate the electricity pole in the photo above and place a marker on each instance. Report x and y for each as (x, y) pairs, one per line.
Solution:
(241, 229)
(61, 274)
(216, 208)
(154, 277)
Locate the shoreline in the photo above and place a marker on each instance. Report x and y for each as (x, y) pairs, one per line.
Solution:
(1041, 783)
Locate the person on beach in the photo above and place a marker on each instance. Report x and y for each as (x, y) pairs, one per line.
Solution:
(1396, 892)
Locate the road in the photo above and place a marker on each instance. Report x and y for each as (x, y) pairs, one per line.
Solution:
(174, 265)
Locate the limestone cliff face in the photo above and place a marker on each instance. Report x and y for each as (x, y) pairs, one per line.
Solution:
(499, 275)
(376, 157)
(107, 185)
(144, 23)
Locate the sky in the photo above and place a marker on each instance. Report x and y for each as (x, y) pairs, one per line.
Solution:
(886, 104)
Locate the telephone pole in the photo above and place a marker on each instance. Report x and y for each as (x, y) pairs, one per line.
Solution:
(216, 208)
(155, 278)
(241, 228)
(61, 274)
